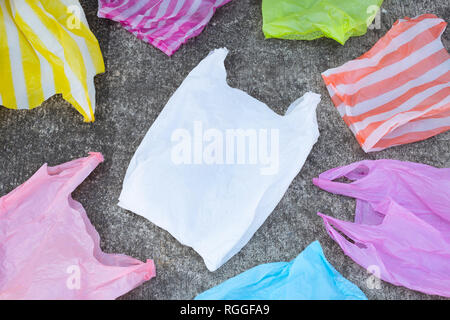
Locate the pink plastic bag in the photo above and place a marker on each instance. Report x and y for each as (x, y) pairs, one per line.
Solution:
(50, 250)
(402, 223)
(166, 24)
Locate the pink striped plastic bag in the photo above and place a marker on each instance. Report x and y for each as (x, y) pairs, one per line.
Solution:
(402, 221)
(166, 24)
(50, 250)
(399, 91)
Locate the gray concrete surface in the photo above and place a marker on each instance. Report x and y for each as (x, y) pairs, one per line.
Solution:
(139, 81)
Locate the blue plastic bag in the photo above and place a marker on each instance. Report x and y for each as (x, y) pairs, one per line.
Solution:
(308, 277)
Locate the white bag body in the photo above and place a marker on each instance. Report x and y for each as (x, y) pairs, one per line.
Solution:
(194, 176)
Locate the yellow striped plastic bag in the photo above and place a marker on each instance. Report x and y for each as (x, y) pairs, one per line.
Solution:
(46, 47)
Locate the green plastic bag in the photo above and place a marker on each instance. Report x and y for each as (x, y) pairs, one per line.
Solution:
(312, 19)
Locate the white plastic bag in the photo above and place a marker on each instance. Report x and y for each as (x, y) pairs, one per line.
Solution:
(216, 162)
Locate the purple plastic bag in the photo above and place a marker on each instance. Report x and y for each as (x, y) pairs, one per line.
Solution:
(402, 221)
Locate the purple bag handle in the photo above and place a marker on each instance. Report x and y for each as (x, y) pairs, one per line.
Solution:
(366, 256)
(325, 180)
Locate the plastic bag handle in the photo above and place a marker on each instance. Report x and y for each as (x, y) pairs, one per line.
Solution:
(78, 170)
(212, 67)
(343, 226)
(307, 104)
(364, 257)
(325, 180)
(69, 176)
(350, 249)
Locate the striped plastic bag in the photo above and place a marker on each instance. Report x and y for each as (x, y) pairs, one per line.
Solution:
(399, 91)
(166, 24)
(46, 47)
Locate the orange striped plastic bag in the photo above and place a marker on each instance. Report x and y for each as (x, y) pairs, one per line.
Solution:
(399, 91)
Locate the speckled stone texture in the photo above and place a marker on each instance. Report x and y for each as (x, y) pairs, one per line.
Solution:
(138, 83)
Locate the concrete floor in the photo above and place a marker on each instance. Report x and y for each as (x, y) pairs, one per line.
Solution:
(139, 81)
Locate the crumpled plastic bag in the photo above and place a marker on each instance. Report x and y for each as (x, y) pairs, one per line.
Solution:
(399, 91)
(50, 250)
(216, 162)
(402, 221)
(166, 24)
(312, 19)
(308, 277)
(46, 47)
